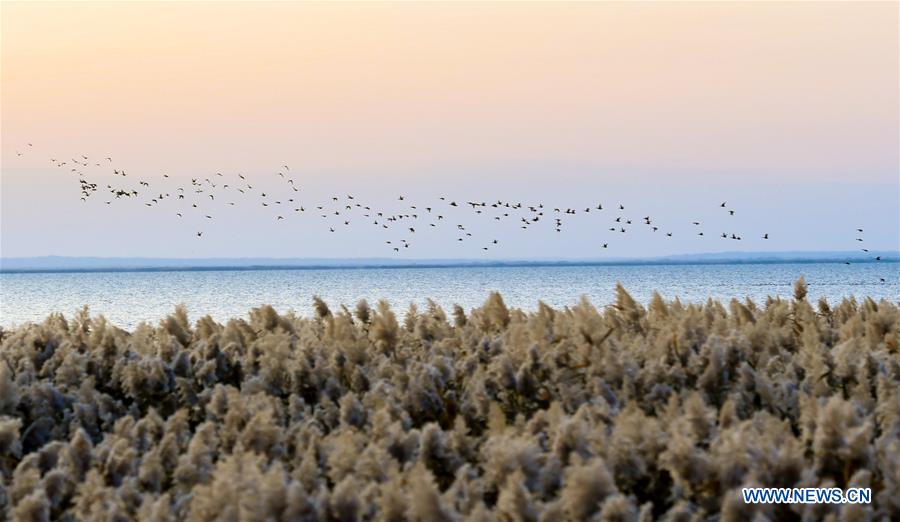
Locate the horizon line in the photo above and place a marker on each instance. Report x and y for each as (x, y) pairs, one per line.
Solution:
(95, 264)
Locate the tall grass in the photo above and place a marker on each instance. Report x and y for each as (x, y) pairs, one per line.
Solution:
(618, 413)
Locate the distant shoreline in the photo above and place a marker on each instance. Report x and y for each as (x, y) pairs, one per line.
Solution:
(435, 265)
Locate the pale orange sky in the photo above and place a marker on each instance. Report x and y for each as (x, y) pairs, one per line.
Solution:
(364, 95)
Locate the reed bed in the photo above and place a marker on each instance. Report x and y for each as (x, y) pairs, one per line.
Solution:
(618, 413)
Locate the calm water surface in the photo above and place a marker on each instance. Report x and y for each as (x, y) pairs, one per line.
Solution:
(128, 298)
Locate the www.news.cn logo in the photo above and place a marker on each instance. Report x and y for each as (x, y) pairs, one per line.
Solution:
(807, 495)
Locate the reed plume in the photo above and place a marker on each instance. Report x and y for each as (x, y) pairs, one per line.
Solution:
(582, 413)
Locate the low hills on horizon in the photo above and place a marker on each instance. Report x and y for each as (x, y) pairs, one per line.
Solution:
(91, 264)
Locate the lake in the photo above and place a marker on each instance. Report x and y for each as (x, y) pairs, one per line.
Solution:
(128, 298)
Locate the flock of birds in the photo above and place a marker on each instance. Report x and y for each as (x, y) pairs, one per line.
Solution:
(201, 195)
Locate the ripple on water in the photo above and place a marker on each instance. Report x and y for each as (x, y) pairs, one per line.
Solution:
(128, 298)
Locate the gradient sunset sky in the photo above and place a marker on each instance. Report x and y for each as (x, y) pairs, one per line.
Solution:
(787, 111)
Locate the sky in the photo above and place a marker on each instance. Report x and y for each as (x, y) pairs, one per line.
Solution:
(787, 112)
